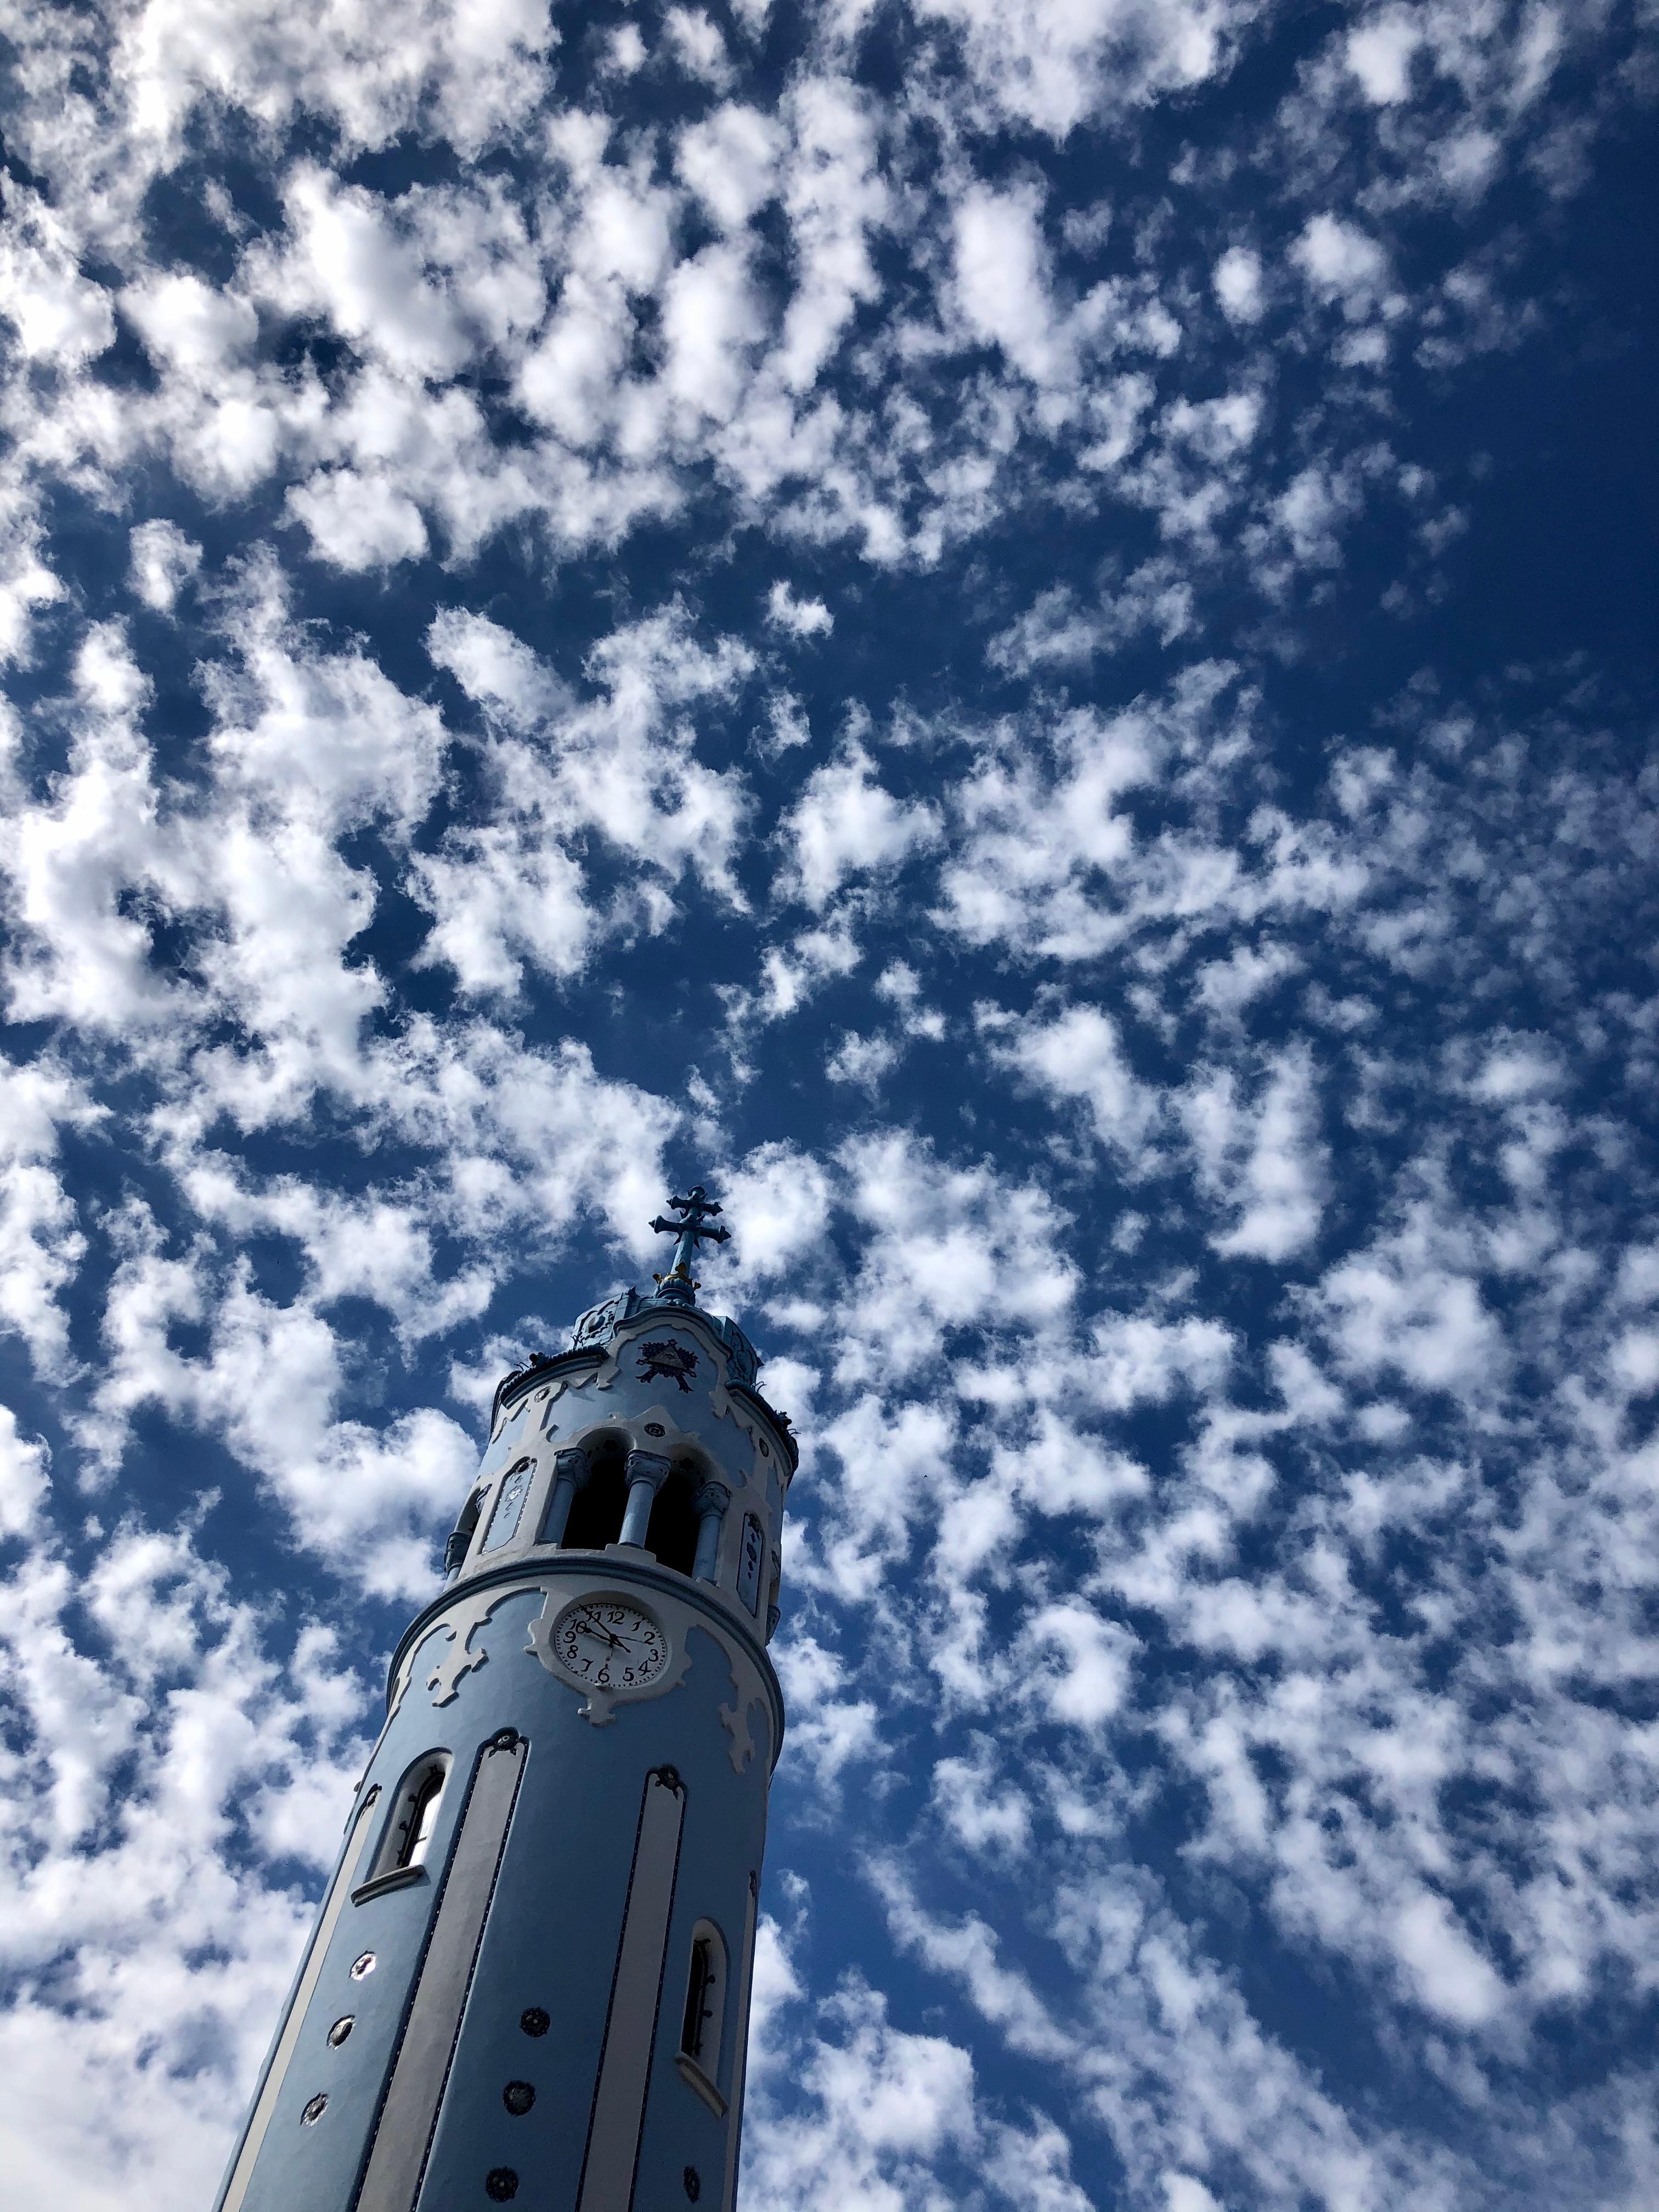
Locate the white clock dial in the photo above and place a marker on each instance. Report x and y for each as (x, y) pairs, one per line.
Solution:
(611, 1644)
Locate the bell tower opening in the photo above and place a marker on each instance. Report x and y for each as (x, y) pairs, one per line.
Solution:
(672, 1533)
(597, 1510)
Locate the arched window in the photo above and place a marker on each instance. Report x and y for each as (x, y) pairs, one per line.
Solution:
(597, 1510)
(673, 1535)
(423, 1818)
(411, 1823)
(461, 1536)
(704, 2015)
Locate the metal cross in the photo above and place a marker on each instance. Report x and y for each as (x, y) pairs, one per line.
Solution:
(695, 1227)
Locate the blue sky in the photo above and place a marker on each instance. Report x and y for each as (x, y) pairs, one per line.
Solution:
(1023, 635)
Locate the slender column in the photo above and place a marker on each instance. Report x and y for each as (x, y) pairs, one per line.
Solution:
(646, 1472)
(711, 1502)
(570, 1473)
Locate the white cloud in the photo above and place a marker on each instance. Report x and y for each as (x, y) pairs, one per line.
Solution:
(58, 314)
(358, 522)
(944, 1248)
(1449, 1974)
(1379, 52)
(1237, 281)
(1265, 1162)
(847, 824)
(698, 43)
(22, 1477)
(1341, 262)
(1080, 1056)
(1410, 1302)
(800, 617)
(163, 561)
(730, 159)
(1004, 283)
(1053, 65)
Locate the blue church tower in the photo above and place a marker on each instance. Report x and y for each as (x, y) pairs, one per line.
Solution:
(529, 1980)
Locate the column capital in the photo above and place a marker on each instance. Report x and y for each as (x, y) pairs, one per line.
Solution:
(710, 1496)
(571, 1466)
(647, 1467)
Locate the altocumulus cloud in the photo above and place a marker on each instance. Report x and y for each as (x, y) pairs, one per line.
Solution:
(1020, 635)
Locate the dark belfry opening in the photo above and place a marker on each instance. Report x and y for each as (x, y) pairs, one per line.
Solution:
(597, 1510)
(672, 1533)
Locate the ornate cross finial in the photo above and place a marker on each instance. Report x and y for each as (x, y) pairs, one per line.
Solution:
(695, 1227)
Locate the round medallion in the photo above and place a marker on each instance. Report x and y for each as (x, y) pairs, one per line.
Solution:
(610, 1642)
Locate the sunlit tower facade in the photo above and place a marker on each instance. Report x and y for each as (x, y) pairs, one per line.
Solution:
(529, 1979)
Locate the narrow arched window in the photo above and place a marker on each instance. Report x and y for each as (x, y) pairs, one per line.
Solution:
(423, 1818)
(705, 2011)
(699, 1998)
(412, 1820)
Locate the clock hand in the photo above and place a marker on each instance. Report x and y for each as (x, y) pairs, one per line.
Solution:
(616, 1643)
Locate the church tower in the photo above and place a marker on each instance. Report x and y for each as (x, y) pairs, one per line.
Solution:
(529, 1980)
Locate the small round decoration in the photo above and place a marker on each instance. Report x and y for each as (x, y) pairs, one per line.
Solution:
(655, 1429)
(519, 2097)
(693, 2181)
(313, 2111)
(363, 1965)
(534, 2021)
(501, 2185)
(341, 2029)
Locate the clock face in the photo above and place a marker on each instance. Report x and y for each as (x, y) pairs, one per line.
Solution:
(610, 1643)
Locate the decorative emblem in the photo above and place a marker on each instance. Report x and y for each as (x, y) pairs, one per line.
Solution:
(504, 1521)
(665, 1361)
